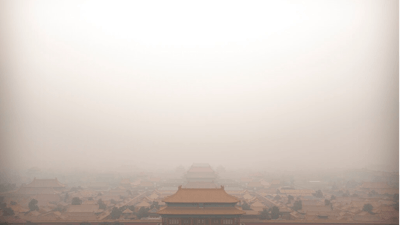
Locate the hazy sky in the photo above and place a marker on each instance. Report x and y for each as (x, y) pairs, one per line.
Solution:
(284, 83)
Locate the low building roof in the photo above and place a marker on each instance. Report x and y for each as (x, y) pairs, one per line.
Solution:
(168, 189)
(35, 190)
(312, 208)
(82, 216)
(201, 170)
(254, 184)
(142, 204)
(146, 184)
(82, 208)
(127, 211)
(312, 202)
(257, 204)
(43, 199)
(374, 185)
(275, 182)
(297, 191)
(251, 212)
(247, 196)
(53, 183)
(367, 218)
(125, 181)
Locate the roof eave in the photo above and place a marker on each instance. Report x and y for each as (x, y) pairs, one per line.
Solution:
(200, 202)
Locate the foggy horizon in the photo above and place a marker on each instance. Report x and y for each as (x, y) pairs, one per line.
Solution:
(277, 85)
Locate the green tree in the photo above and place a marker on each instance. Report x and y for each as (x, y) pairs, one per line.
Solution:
(102, 205)
(277, 197)
(368, 208)
(327, 202)
(396, 206)
(143, 212)
(115, 213)
(74, 189)
(76, 201)
(319, 194)
(85, 223)
(66, 197)
(8, 212)
(290, 199)
(396, 197)
(3, 205)
(154, 204)
(60, 208)
(7, 187)
(30, 223)
(33, 205)
(246, 206)
(264, 215)
(298, 205)
(333, 197)
(275, 212)
(372, 193)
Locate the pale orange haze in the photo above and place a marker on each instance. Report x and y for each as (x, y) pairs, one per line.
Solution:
(287, 84)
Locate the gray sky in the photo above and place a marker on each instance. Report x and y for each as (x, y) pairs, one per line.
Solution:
(290, 84)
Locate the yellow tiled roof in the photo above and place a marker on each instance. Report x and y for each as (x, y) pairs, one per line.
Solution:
(201, 211)
(201, 195)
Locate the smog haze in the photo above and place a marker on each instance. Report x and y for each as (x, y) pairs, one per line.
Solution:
(286, 85)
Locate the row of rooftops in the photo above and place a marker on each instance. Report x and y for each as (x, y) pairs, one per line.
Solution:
(45, 183)
(309, 210)
(200, 171)
(192, 189)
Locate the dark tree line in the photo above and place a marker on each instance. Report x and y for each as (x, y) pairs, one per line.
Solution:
(319, 194)
(102, 205)
(298, 205)
(368, 208)
(76, 201)
(7, 187)
(272, 213)
(396, 199)
(245, 206)
(141, 213)
(290, 199)
(33, 205)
